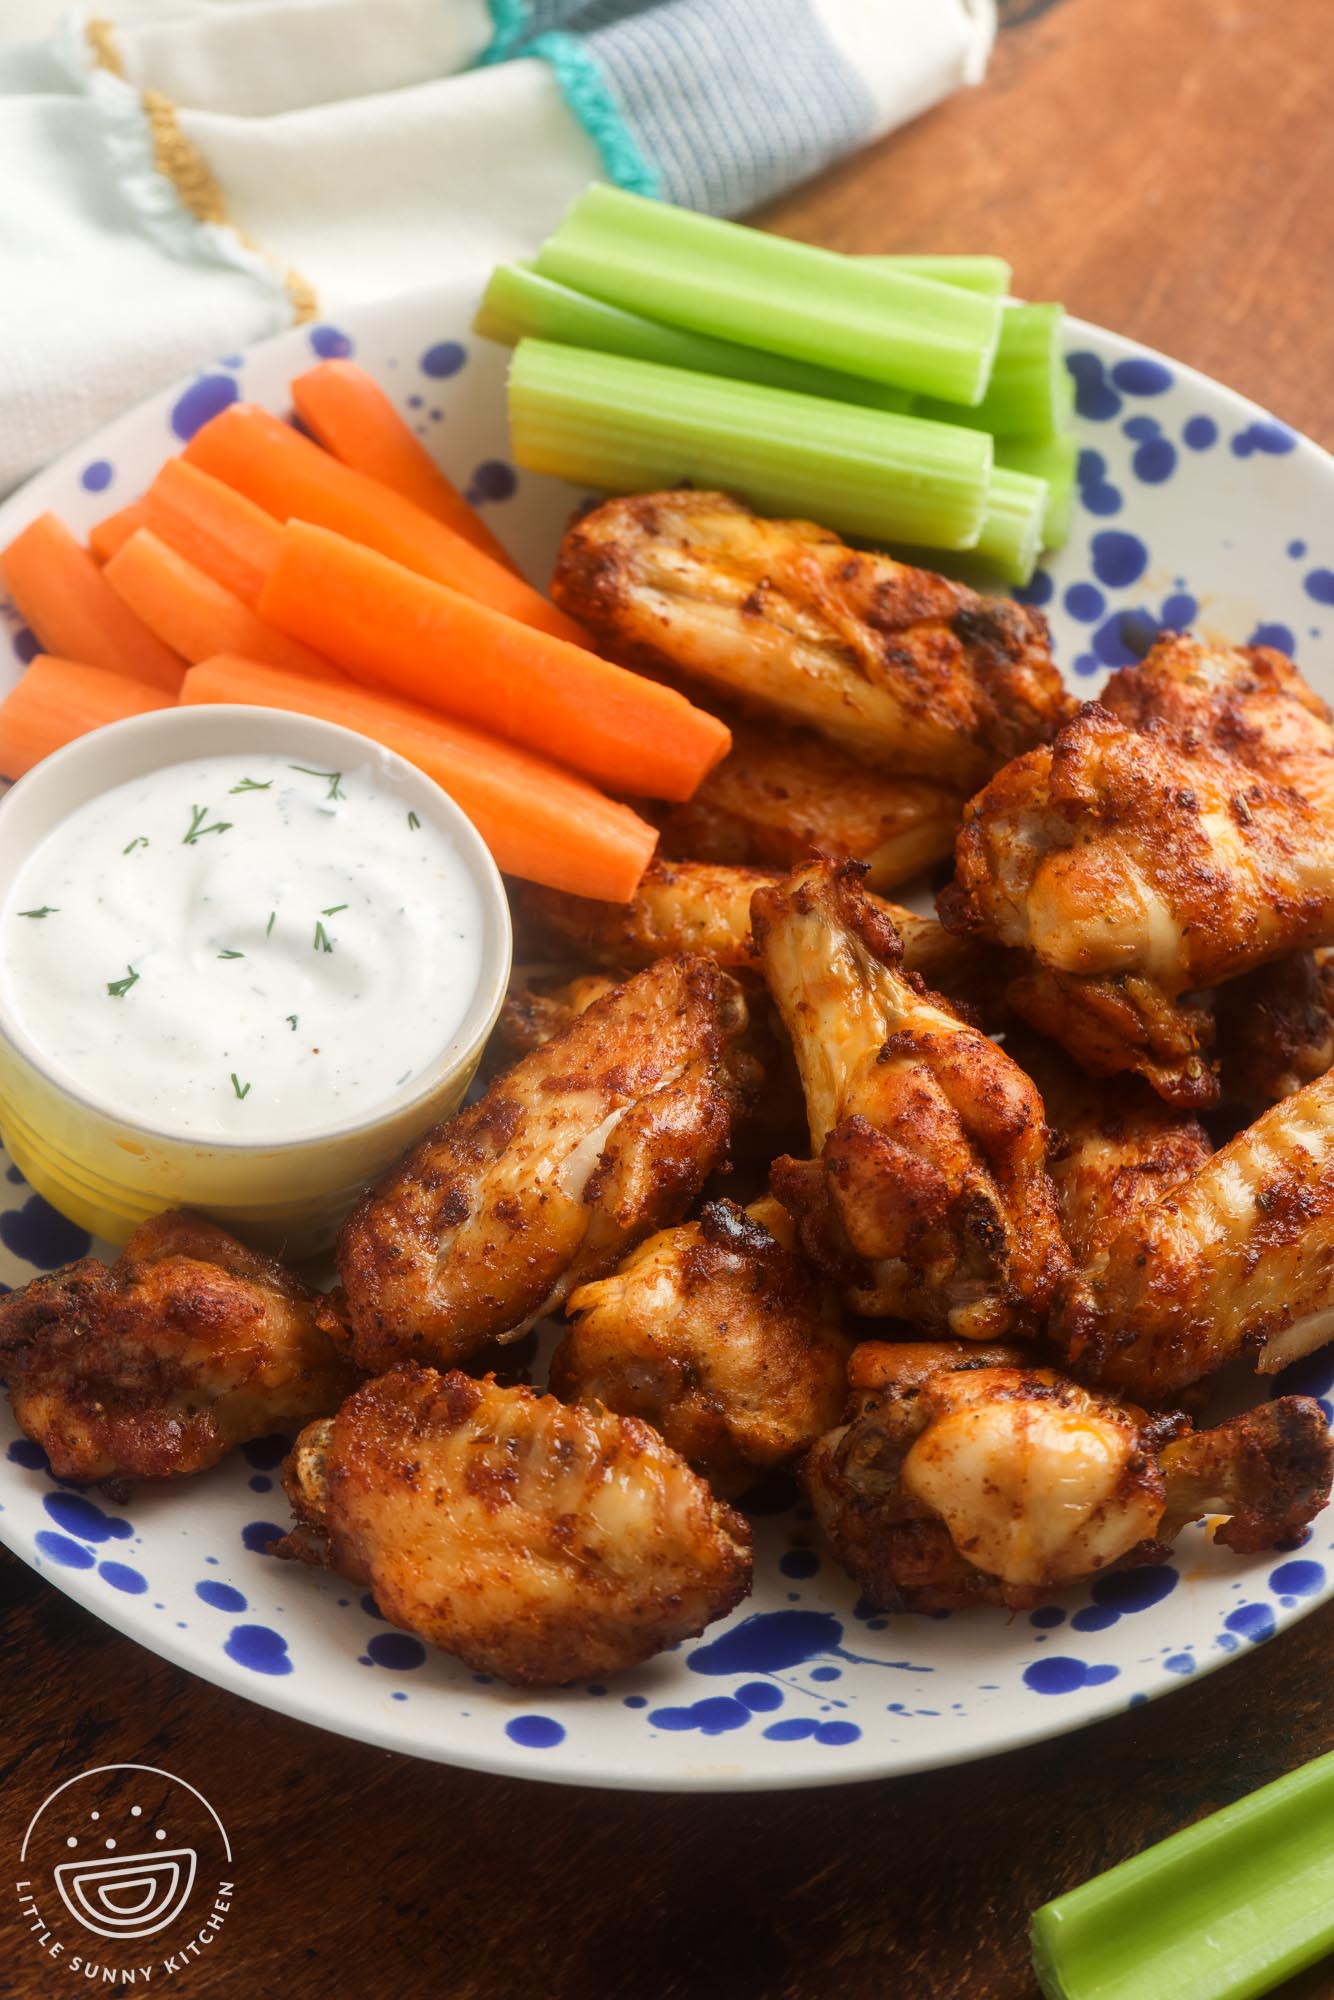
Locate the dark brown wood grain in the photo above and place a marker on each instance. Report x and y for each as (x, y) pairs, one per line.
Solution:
(1165, 166)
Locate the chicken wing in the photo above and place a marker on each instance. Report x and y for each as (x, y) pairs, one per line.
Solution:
(1131, 873)
(782, 795)
(905, 669)
(537, 1542)
(966, 1476)
(538, 1007)
(158, 1364)
(695, 906)
(1275, 1029)
(719, 1335)
(599, 1137)
(1236, 1260)
(1248, 703)
(927, 1195)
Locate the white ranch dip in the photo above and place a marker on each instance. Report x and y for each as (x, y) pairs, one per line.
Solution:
(239, 947)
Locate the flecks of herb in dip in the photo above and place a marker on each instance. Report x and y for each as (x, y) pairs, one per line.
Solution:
(193, 917)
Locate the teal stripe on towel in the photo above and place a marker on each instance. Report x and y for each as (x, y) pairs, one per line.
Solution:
(585, 90)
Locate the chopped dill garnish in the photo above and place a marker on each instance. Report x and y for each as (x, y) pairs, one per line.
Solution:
(140, 840)
(231, 954)
(47, 910)
(241, 1089)
(333, 909)
(118, 988)
(333, 778)
(268, 928)
(322, 941)
(253, 785)
(292, 1019)
(413, 821)
(198, 814)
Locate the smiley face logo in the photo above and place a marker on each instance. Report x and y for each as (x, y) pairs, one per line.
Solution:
(125, 1848)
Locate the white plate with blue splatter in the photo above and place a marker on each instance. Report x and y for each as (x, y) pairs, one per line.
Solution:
(1195, 507)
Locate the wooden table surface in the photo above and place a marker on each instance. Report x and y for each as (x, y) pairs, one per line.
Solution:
(1164, 166)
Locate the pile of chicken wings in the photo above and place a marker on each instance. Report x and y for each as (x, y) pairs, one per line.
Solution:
(1006, 1184)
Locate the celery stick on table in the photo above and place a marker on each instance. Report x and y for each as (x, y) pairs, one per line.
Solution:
(630, 426)
(1028, 394)
(989, 275)
(1053, 459)
(1010, 541)
(764, 291)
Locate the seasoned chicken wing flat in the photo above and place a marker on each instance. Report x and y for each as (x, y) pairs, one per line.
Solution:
(1248, 703)
(1130, 873)
(1236, 1260)
(538, 1542)
(597, 1138)
(1275, 1029)
(927, 1195)
(783, 795)
(903, 668)
(160, 1363)
(719, 1335)
(964, 1476)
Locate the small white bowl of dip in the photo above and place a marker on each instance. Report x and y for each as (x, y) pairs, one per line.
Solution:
(246, 959)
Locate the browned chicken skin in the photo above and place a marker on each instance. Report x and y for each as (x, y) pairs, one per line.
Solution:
(782, 795)
(901, 667)
(597, 1138)
(719, 1335)
(1275, 1029)
(926, 1196)
(160, 1363)
(538, 1542)
(1131, 873)
(1237, 1260)
(966, 1476)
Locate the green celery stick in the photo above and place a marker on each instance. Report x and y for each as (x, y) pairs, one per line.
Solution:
(626, 426)
(765, 291)
(1026, 396)
(1010, 541)
(518, 302)
(1225, 1910)
(1052, 459)
(989, 275)
(1065, 399)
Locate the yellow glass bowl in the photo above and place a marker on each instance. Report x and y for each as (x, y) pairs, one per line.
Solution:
(106, 1170)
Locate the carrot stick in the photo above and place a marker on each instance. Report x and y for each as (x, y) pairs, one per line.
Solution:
(113, 530)
(214, 527)
(195, 614)
(539, 821)
(394, 629)
(57, 700)
(292, 479)
(350, 414)
(74, 611)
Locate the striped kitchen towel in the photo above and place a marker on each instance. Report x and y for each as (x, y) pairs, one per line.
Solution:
(179, 177)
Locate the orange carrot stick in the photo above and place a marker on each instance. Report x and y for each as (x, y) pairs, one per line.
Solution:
(114, 530)
(57, 700)
(395, 629)
(74, 611)
(292, 479)
(539, 821)
(350, 414)
(195, 614)
(214, 527)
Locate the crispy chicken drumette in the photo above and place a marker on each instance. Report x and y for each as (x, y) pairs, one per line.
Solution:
(597, 1138)
(926, 1196)
(719, 1335)
(966, 1476)
(782, 795)
(159, 1363)
(905, 669)
(538, 1542)
(1275, 1029)
(1235, 1260)
(1131, 873)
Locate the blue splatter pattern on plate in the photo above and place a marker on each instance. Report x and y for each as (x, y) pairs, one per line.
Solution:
(1195, 509)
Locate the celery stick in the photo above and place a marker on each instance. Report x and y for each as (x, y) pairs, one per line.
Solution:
(1025, 396)
(1010, 540)
(1052, 459)
(768, 292)
(989, 275)
(518, 302)
(602, 420)
(1225, 1910)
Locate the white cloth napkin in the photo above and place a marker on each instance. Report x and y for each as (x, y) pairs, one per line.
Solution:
(191, 175)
